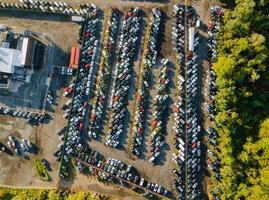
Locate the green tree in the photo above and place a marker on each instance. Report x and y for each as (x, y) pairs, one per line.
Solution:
(242, 100)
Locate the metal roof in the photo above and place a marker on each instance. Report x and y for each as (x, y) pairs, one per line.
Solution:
(12, 57)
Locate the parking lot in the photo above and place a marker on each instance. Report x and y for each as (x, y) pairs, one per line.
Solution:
(159, 169)
(16, 170)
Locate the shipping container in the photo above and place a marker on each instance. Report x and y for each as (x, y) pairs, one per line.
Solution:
(72, 56)
(77, 56)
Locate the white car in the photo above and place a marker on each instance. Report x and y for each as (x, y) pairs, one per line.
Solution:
(15, 113)
(6, 110)
(142, 182)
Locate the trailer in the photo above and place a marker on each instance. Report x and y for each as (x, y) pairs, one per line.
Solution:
(77, 56)
(77, 18)
(191, 38)
(72, 57)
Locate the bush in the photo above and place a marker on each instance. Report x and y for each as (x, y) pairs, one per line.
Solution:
(41, 170)
(51, 194)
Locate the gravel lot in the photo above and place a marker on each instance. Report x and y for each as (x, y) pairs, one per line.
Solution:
(16, 171)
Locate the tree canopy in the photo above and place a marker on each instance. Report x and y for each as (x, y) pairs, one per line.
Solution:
(242, 101)
(46, 194)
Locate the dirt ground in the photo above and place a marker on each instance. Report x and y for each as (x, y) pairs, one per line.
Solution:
(16, 171)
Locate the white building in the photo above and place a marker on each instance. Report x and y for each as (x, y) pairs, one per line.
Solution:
(16, 64)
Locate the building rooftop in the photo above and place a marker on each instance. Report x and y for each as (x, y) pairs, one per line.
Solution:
(13, 57)
(10, 58)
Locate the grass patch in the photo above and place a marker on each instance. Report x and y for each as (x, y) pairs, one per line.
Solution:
(47, 194)
(41, 170)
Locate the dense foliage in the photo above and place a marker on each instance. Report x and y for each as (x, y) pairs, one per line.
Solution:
(242, 70)
(36, 194)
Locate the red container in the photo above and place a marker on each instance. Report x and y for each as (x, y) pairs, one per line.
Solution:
(77, 56)
(72, 56)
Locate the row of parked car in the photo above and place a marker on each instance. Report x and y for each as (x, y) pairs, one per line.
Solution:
(85, 10)
(178, 30)
(178, 37)
(81, 87)
(213, 162)
(158, 124)
(65, 71)
(148, 61)
(69, 89)
(186, 127)
(192, 123)
(24, 146)
(216, 14)
(28, 115)
(117, 169)
(102, 84)
(13, 143)
(129, 40)
(49, 98)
